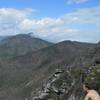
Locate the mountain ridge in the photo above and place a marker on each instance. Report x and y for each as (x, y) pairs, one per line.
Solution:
(20, 44)
(23, 75)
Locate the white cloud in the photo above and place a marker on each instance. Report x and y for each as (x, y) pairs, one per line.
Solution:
(11, 18)
(76, 25)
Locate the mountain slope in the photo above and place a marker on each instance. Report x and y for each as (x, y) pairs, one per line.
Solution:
(23, 74)
(20, 45)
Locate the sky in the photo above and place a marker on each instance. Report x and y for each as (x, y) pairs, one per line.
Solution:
(52, 20)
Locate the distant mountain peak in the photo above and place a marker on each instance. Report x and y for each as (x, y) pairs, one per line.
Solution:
(21, 44)
(30, 33)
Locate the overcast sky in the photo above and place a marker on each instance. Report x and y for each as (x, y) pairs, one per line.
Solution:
(53, 20)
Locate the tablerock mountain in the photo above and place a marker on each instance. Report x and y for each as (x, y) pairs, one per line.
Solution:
(20, 44)
(22, 76)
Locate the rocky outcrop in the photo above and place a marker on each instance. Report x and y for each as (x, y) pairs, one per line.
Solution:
(67, 84)
(62, 85)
